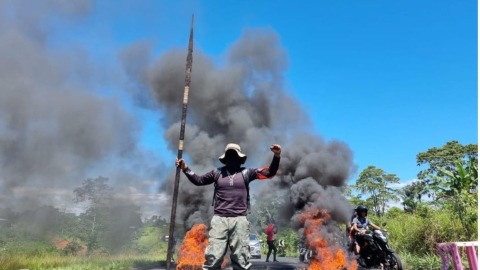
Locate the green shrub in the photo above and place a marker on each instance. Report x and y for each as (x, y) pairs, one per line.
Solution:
(72, 248)
(419, 233)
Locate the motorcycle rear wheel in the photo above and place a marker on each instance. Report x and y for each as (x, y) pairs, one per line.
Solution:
(394, 261)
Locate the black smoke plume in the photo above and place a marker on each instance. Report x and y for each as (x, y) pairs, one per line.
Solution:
(245, 100)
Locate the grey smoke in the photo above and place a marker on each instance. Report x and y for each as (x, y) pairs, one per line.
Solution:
(238, 102)
(31, 18)
(245, 100)
(54, 130)
(314, 170)
(135, 59)
(307, 195)
(240, 97)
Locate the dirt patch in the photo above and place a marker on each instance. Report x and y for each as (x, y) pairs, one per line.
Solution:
(62, 243)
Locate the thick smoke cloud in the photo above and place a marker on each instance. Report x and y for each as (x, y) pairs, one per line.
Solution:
(135, 59)
(314, 171)
(245, 100)
(54, 130)
(238, 102)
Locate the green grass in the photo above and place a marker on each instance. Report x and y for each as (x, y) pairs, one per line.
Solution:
(23, 253)
(94, 262)
(419, 234)
(411, 262)
(426, 262)
(413, 236)
(149, 241)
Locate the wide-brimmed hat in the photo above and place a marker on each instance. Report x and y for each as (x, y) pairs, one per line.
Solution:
(236, 147)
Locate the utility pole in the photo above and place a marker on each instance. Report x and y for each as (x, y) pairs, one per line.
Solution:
(180, 146)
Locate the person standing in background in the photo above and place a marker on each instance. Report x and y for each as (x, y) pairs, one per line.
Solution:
(271, 230)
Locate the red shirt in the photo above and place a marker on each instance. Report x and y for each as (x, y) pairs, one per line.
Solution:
(269, 232)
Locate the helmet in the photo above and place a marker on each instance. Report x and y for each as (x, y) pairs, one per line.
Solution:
(362, 208)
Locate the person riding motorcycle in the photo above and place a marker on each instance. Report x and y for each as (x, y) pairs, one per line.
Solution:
(360, 225)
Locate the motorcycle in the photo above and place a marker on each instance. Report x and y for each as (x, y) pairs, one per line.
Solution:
(375, 252)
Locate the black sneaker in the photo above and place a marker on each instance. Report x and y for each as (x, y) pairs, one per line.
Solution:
(267, 260)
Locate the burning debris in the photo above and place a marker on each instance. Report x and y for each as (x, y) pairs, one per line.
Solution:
(313, 171)
(191, 253)
(326, 253)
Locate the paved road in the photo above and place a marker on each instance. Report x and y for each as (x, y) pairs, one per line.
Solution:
(284, 263)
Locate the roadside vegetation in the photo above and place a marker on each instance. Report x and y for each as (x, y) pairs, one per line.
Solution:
(441, 206)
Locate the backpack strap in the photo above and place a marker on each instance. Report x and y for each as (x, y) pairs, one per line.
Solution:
(218, 172)
(246, 179)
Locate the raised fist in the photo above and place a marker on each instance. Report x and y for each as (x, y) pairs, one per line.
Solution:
(276, 149)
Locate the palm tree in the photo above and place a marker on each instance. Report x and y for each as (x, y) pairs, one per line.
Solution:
(460, 188)
(412, 195)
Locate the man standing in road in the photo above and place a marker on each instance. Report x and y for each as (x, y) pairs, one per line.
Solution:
(231, 200)
(270, 232)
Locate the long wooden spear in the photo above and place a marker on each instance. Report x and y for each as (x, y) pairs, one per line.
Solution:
(180, 145)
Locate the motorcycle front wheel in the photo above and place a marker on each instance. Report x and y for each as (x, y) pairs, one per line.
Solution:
(394, 262)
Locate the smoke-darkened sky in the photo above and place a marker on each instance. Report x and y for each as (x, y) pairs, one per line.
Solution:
(89, 88)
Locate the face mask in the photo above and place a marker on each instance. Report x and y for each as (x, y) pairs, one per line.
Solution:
(232, 160)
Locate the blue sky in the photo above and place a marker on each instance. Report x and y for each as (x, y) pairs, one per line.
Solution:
(389, 78)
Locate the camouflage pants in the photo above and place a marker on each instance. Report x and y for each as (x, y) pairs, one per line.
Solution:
(226, 232)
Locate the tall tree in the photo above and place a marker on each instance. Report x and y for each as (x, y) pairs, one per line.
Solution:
(412, 195)
(122, 220)
(265, 210)
(459, 189)
(376, 182)
(445, 157)
(96, 193)
(354, 199)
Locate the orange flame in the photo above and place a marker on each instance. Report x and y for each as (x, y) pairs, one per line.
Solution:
(191, 254)
(326, 256)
